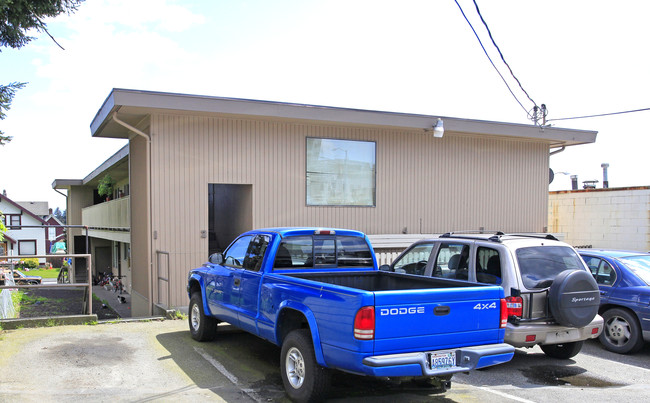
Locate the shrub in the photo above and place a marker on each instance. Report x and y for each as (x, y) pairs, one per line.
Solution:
(30, 263)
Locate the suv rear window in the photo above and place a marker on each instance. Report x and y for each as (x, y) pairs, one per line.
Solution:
(539, 265)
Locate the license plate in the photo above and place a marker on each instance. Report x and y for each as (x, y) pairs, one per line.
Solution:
(563, 336)
(442, 360)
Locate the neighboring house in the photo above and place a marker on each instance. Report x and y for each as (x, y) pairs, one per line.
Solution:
(26, 231)
(198, 170)
(609, 218)
(56, 232)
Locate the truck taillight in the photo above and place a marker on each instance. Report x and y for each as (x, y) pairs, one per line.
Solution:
(515, 306)
(504, 313)
(364, 323)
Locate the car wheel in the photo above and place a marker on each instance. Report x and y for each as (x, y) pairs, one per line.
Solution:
(202, 327)
(574, 298)
(621, 333)
(304, 380)
(562, 351)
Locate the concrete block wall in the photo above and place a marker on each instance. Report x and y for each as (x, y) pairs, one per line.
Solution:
(616, 218)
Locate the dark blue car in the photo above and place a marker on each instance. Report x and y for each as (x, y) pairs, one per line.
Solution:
(624, 281)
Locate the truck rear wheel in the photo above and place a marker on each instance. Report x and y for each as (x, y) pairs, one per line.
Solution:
(202, 327)
(304, 380)
(562, 351)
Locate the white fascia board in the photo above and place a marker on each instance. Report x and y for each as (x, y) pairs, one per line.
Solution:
(133, 101)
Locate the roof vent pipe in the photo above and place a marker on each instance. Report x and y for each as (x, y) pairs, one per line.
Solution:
(605, 165)
(574, 182)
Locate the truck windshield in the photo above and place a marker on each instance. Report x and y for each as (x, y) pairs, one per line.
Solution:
(322, 251)
(539, 265)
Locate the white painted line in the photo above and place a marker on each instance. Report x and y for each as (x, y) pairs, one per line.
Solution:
(503, 394)
(232, 378)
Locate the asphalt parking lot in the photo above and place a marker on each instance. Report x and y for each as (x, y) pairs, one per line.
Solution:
(158, 361)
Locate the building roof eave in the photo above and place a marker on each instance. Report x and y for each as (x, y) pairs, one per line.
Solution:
(134, 105)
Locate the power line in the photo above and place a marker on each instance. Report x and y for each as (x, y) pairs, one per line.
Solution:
(490, 59)
(501, 54)
(601, 114)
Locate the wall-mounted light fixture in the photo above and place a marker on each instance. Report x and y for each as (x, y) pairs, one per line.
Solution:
(438, 129)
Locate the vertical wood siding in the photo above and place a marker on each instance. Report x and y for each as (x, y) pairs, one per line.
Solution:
(423, 184)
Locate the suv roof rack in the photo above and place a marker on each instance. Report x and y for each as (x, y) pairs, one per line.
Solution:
(496, 237)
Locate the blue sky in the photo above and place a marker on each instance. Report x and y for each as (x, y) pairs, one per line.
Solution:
(579, 58)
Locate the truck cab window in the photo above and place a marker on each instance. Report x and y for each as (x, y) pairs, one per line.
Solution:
(255, 254)
(234, 256)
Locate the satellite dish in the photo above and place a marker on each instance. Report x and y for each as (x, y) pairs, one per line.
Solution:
(551, 176)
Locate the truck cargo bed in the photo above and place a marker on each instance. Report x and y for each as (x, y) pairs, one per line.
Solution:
(383, 281)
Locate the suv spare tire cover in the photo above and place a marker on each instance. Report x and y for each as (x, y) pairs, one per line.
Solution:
(574, 298)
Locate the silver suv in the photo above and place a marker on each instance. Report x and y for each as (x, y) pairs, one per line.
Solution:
(551, 296)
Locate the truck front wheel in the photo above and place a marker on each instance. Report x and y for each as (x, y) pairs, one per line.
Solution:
(202, 327)
(304, 380)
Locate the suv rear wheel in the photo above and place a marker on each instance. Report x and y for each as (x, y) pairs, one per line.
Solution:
(562, 351)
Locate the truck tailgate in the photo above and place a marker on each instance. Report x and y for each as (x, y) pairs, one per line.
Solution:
(417, 320)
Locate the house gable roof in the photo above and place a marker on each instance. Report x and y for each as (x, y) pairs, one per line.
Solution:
(8, 238)
(22, 208)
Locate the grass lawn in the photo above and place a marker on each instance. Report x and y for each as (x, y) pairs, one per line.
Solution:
(45, 273)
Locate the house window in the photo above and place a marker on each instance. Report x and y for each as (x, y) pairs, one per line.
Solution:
(3, 249)
(340, 172)
(27, 247)
(14, 221)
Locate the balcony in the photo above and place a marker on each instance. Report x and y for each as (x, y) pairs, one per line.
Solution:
(109, 220)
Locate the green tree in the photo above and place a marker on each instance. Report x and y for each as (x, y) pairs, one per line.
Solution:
(17, 19)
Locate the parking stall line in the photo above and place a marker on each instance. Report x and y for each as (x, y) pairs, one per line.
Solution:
(232, 378)
(503, 394)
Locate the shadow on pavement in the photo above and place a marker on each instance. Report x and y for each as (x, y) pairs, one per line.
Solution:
(239, 365)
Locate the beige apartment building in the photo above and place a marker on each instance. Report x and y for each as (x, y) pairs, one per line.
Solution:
(199, 170)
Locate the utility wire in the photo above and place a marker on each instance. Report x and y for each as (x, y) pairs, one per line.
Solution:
(602, 114)
(490, 59)
(501, 54)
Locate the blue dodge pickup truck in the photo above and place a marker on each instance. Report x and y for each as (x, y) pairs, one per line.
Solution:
(319, 295)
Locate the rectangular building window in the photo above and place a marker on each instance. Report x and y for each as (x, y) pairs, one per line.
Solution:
(340, 172)
(14, 221)
(27, 247)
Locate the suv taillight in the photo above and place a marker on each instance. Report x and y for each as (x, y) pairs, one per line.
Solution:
(515, 306)
(364, 323)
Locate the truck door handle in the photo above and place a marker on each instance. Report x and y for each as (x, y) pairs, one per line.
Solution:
(441, 310)
(236, 282)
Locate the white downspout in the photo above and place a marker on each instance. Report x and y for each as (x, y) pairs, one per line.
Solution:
(151, 263)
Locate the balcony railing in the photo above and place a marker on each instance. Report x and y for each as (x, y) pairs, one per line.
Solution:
(112, 214)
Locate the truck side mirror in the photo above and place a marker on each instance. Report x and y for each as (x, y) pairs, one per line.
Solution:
(384, 267)
(216, 258)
